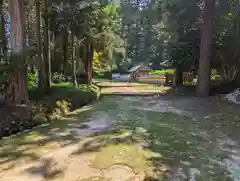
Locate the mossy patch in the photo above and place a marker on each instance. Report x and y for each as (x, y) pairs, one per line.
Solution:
(131, 155)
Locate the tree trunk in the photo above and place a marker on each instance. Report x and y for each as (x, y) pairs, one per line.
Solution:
(29, 37)
(46, 48)
(179, 76)
(65, 52)
(2, 35)
(40, 62)
(89, 61)
(50, 50)
(204, 69)
(17, 90)
(1, 32)
(74, 76)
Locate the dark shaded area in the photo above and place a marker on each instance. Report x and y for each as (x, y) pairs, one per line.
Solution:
(28, 145)
(223, 88)
(17, 118)
(150, 179)
(46, 169)
(76, 97)
(182, 141)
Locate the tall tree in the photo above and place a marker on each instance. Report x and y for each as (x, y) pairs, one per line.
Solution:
(46, 48)
(88, 61)
(204, 70)
(74, 47)
(3, 48)
(40, 61)
(17, 90)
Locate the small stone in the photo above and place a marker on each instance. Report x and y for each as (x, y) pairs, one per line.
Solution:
(84, 126)
(140, 130)
(39, 118)
(238, 98)
(233, 96)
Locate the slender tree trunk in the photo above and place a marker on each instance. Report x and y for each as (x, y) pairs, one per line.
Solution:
(65, 52)
(203, 84)
(40, 61)
(1, 32)
(2, 35)
(89, 61)
(50, 53)
(179, 76)
(17, 90)
(237, 19)
(29, 36)
(4, 39)
(46, 48)
(74, 76)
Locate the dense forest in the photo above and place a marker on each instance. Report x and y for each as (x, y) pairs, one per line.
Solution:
(65, 117)
(54, 40)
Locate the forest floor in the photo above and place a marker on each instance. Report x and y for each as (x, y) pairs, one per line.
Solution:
(130, 138)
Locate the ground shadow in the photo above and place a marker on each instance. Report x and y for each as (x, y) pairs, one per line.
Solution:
(182, 144)
(46, 169)
(28, 145)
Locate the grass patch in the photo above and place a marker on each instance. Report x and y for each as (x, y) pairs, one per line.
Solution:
(163, 72)
(131, 155)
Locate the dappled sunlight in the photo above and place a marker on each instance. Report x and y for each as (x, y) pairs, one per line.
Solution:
(131, 88)
(142, 137)
(31, 144)
(47, 169)
(187, 144)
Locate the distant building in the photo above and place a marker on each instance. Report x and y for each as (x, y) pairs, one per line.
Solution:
(140, 70)
(116, 2)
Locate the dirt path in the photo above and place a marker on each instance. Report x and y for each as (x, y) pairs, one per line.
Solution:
(161, 138)
(128, 88)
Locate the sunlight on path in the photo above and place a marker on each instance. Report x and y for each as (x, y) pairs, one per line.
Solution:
(191, 139)
(130, 88)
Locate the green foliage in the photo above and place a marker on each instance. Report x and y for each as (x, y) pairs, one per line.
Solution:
(5, 72)
(32, 80)
(62, 97)
(163, 72)
(59, 78)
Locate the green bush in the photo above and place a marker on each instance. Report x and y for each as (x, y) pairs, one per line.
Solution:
(32, 80)
(58, 77)
(162, 72)
(102, 75)
(214, 74)
(64, 92)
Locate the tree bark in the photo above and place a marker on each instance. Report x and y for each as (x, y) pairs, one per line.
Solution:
(74, 76)
(179, 76)
(51, 42)
(65, 52)
(40, 61)
(4, 39)
(17, 90)
(89, 61)
(46, 48)
(3, 35)
(204, 69)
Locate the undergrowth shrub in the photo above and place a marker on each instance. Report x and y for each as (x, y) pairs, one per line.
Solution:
(32, 80)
